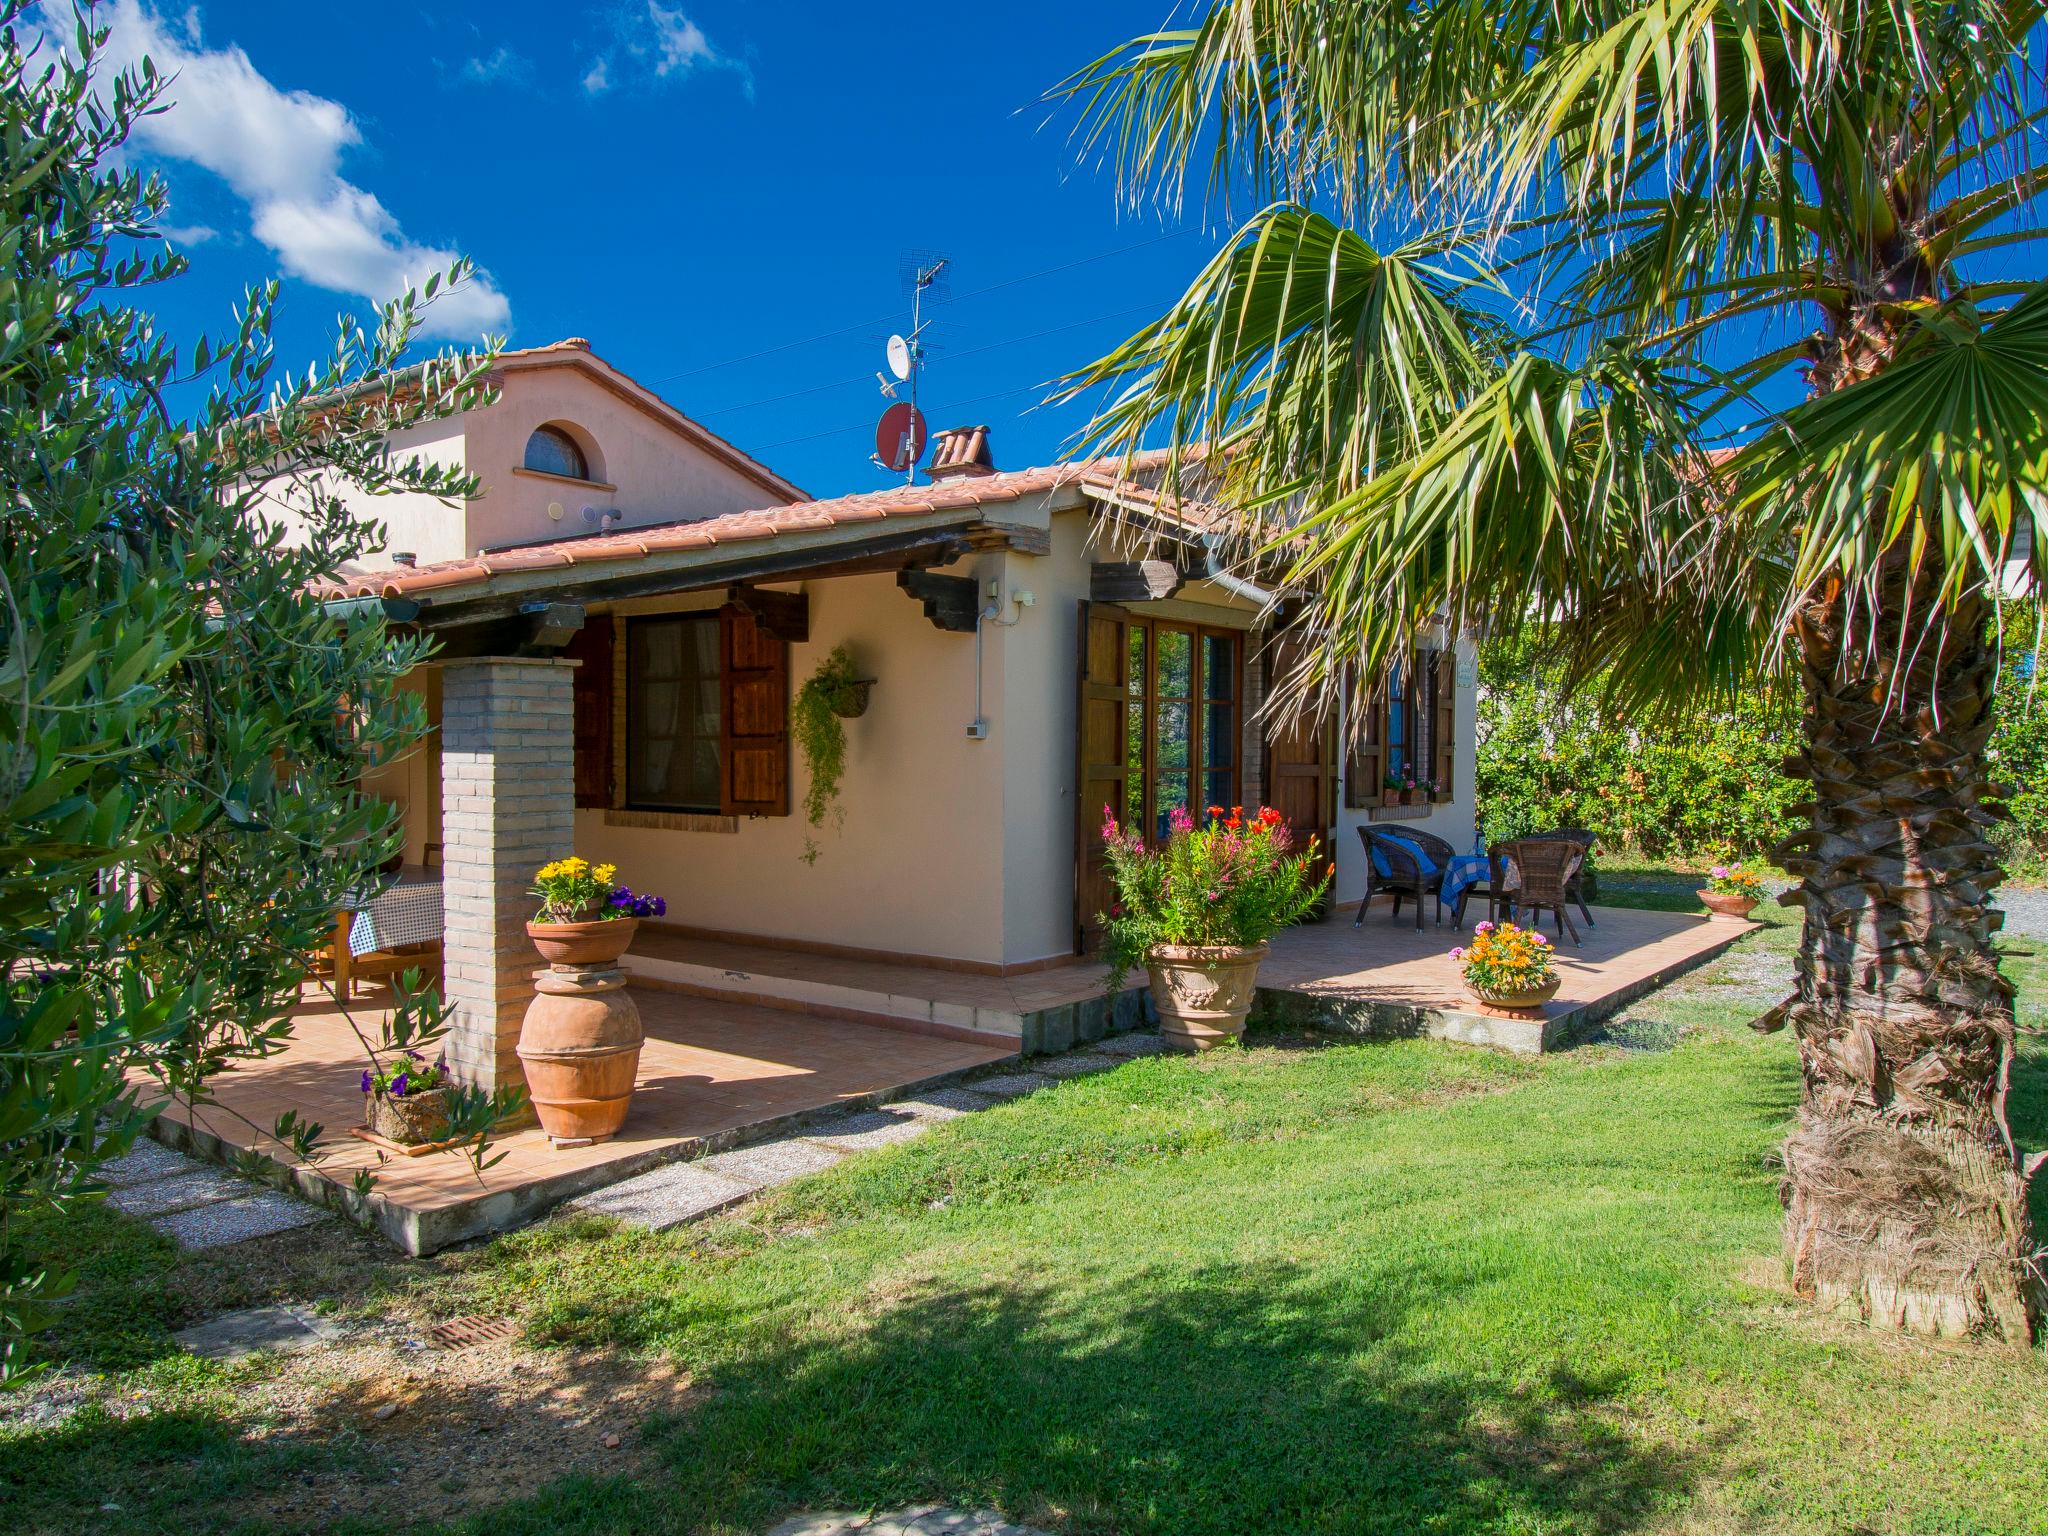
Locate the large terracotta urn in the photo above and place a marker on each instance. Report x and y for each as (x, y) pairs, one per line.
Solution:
(580, 1041)
(1203, 991)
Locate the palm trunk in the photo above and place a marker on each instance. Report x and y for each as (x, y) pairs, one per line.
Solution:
(1905, 1201)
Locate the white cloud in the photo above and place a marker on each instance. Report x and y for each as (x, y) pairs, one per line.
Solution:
(658, 44)
(503, 64)
(188, 234)
(280, 151)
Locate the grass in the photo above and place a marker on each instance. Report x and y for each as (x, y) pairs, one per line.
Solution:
(1321, 1288)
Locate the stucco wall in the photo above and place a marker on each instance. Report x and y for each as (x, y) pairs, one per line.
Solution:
(916, 868)
(660, 475)
(413, 782)
(422, 525)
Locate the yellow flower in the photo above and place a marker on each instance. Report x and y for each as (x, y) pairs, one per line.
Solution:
(606, 873)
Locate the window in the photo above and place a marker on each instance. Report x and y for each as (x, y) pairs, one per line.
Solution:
(554, 452)
(1182, 683)
(674, 688)
(1405, 727)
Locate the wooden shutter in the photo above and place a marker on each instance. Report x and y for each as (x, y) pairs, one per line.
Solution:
(592, 710)
(753, 743)
(1365, 756)
(1301, 768)
(1103, 759)
(1444, 720)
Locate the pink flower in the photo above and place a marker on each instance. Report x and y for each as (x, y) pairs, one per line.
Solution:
(1484, 927)
(1457, 954)
(1540, 940)
(1719, 871)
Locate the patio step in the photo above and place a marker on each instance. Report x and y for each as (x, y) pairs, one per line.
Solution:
(800, 994)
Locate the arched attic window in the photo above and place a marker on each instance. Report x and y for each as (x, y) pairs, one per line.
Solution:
(554, 452)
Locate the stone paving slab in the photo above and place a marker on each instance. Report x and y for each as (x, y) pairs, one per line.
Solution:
(916, 1520)
(946, 1103)
(1012, 1085)
(875, 1128)
(285, 1330)
(180, 1192)
(146, 1162)
(1133, 1044)
(665, 1197)
(236, 1221)
(771, 1162)
(1076, 1064)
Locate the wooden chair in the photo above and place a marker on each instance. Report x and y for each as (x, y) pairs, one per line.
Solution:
(1405, 876)
(1575, 890)
(1546, 866)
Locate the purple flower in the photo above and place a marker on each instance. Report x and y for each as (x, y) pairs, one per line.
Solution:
(368, 1082)
(398, 1086)
(622, 898)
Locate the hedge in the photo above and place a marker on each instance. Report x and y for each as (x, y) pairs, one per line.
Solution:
(1709, 784)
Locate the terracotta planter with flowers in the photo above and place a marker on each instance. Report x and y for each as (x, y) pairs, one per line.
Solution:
(1732, 892)
(1508, 968)
(1197, 911)
(580, 1042)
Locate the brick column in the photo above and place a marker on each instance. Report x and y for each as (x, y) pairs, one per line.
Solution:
(507, 807)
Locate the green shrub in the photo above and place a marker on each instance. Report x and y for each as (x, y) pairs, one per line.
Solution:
(2019, 745)
(1683, 789)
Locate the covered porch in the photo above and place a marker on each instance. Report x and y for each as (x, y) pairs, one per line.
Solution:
(751, 1043)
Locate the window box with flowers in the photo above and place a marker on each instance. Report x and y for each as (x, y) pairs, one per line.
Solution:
(1508, 967)
(1197, 911)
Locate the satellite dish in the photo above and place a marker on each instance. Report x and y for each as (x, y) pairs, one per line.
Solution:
(899, 357)
(899, 436)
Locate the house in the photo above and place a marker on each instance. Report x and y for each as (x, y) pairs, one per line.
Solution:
(625, 613)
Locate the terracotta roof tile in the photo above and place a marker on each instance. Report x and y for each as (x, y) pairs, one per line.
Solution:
(909, 501)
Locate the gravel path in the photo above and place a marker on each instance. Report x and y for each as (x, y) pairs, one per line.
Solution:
(2026, 912)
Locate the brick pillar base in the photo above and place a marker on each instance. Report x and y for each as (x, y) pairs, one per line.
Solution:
(507, 807)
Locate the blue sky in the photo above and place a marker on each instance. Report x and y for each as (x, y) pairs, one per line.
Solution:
(718, 195)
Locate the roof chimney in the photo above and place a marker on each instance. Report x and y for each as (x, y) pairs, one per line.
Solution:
(959, 453)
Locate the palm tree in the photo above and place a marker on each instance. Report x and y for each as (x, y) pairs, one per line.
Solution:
(1518, 335)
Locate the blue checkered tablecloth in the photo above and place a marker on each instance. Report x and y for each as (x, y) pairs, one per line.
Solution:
(408, 912)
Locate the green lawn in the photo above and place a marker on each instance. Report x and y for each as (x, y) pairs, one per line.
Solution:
(1405, 1288)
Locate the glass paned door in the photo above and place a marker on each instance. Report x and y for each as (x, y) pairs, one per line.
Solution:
(1173, 726)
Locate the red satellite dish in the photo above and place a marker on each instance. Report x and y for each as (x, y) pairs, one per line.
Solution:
(899, 436)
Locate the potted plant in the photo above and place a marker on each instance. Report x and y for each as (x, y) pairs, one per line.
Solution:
(580, 1040)
(1410, 795)
(832, 694)
(1732, 891)
(1390, 789)
(1196, 914)
(1508, 967)
(405, 1099)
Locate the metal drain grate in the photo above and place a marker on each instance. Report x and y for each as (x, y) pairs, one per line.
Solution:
(468, 1332)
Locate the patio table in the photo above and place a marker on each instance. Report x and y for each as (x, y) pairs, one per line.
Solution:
(407, 912)
(1470, 869)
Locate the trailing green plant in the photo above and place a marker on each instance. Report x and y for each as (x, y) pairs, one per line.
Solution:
(817, 722)
(184, 723)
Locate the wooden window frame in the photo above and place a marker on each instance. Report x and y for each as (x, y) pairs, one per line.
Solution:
(630, 706)
(1430, 735)
(1147, 704)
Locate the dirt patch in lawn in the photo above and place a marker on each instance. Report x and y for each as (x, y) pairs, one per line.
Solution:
(414, 1426)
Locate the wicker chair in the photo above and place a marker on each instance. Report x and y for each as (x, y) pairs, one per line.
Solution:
(1575, 890)
(1546, 866)
(1405, 876)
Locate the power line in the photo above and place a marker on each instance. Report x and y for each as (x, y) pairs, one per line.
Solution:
(844, 330)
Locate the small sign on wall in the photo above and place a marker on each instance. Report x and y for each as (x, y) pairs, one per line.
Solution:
(1468, 669)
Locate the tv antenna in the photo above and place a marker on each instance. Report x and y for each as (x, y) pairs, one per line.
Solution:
(900, 434)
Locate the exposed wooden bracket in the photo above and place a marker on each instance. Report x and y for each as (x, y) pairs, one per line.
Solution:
(549, 627)
(1023, 538)
(785, 615)
(1133, 581)
(950, 602)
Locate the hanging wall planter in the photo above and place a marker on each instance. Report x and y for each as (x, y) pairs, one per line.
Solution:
(832, 694)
